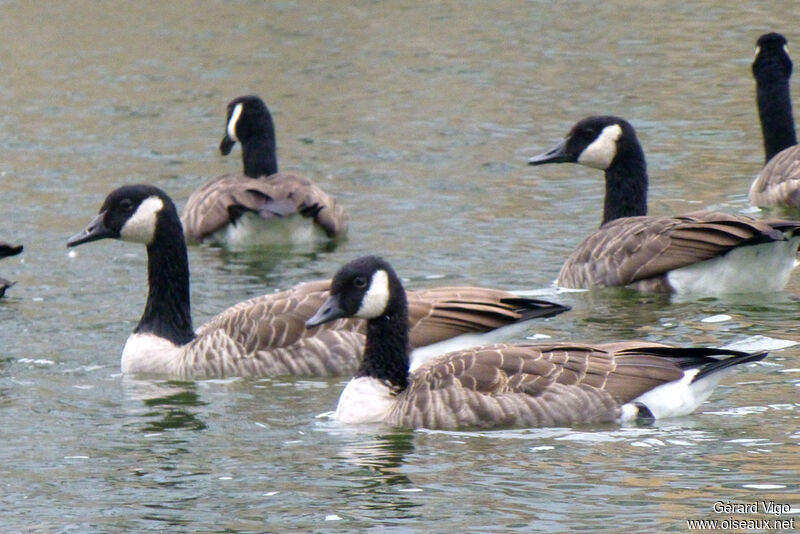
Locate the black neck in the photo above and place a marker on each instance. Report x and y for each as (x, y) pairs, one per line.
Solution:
(167, 313)
(775, 112)
(387, 347)
(626, 185)
(258, 156)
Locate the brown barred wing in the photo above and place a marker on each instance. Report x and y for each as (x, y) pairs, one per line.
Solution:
(530, 385)
(644, 249)
(442, 313)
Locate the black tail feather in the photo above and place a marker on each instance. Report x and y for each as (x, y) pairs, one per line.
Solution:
(535, 308)
(707, 359)
(718, 365)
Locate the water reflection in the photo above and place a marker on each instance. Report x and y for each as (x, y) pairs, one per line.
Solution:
(382, 455)
(274, 267)
(172, 415)
(168, 403)
(261, 263)
(379, 481)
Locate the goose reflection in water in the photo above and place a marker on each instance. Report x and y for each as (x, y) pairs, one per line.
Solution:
(378, 469)
(168, 403)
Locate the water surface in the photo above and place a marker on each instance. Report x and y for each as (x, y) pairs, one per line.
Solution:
(419, 117)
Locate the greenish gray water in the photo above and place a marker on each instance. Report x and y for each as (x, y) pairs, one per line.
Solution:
(420, 118)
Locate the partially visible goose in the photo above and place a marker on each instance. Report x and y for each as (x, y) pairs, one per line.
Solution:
(262, 206)
(700, 252)
(529, 384)
(7, 250)
(265, 336)
(778, 183)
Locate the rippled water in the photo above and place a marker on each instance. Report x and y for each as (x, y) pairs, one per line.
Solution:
(419, 117)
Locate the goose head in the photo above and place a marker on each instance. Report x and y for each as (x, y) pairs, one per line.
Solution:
(247, 118)
(129, 213)
(596, 142)
(366, 288)
(7, 250)
(772, 59)
(610, 144)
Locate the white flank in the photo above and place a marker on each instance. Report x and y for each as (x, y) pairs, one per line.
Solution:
(677, 398)
(749, 269)
(758, 49)
(148, 353)
(237, 112)
(377, 296)
(364, 400)
(422, 355)
(141, 227)
(251, 230)
(602, 151)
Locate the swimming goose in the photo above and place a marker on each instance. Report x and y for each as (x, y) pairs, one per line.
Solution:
(778, 183)
(7, 250)
(700, 252)
(529, 384)
(262, 206)
(265, 336)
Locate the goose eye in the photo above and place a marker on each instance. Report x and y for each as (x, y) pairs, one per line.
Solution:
(126, 204)
(360, 282)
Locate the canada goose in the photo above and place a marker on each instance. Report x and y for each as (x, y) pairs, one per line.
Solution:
(778, 183)
(700, 252)
(265, 336)
(7, 250)
(530, 384)
(262, 206)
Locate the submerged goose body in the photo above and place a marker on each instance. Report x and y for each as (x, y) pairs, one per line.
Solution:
(265, 336)
(778, 183)
(262, 206)
(505, 385)
(7, 250)
(700, 252)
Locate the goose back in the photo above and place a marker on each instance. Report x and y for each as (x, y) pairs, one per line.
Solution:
(530, 385)
(642, 252)
(778, 183)
(266, 335)
(223, 201)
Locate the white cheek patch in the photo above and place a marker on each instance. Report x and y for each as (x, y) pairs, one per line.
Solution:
(758, 49)
(376, 298)
(786, 49)
(141, 226)
(602, 151)
(237, 112)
